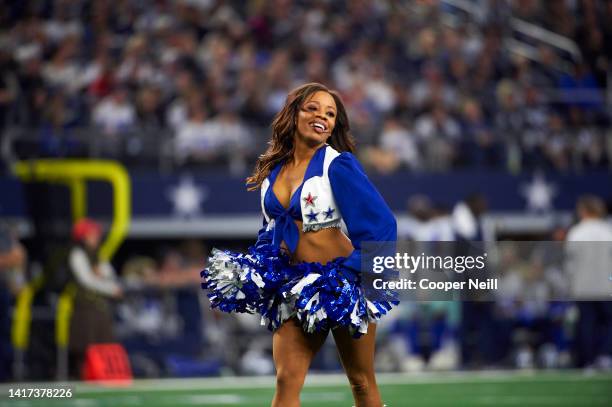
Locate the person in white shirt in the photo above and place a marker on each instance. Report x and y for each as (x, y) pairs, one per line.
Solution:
(195, 139)
(589, 266)
(397, 146)
(115, 114)
(592, 226)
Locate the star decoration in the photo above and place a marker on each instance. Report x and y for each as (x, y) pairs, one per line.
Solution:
(187, 197)
(310, 200)
(539, 194)
(328, 213)
(312, 216)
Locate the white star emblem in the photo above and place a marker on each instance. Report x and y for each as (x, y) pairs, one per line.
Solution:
(539, 194)
(187, 197)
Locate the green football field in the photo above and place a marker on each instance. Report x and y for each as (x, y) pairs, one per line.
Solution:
(399, 390)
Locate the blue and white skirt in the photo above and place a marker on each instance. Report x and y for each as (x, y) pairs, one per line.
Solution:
(320, 296)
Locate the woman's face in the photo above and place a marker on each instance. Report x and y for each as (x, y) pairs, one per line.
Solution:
(316, 118)
(92, 240)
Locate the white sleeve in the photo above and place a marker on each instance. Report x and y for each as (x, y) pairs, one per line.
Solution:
(84, 274)
(107, 271)
(572, 235)
(464, 222)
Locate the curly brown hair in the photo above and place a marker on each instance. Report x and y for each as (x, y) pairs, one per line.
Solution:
(280, 146)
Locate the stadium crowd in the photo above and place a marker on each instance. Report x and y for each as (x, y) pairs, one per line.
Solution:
(427, 86)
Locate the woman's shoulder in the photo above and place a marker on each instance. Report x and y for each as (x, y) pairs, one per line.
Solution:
(77, 250)
(342, 162)
(77, 256)
(272, 173)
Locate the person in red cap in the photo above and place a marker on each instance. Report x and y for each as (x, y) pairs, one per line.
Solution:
(87, 229)
(92, 318)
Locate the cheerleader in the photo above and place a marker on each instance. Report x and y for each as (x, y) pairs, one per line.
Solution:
(303, 273)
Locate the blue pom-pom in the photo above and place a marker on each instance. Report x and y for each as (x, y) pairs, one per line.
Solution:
(330, 296)
(321, 297)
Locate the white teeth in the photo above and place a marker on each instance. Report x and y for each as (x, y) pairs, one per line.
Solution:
(318, 125)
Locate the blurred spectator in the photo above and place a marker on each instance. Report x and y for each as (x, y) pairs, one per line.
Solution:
(115, 114)
(509, 119)
(589, 270)
(478, 347)
(177, 110)
(433, 89)
(433, 222)
(92, 317)
(62, 71)
(8, 86)
(138, 272)
(57, 134)
(588, 150)
(557, 146)
(423, 337)
(529, 325)
(33, 93)
(467, 217)
(194, 139)
(440, 134)
(547, 73)
(178, 268)
(182, 268)
(542, 132)
(12, 262)
(480, 147)
(397, 147)
(149, 110)
(379, 90)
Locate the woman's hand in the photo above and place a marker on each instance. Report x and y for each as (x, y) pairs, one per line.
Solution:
(117, 293)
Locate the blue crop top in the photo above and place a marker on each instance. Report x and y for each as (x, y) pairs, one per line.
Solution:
(364, 211)
(284, 226)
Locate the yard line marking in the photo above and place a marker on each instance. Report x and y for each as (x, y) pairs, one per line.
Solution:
(328, 380)
(334, 380)
(536, 399)
(210, 399)
(322, 396)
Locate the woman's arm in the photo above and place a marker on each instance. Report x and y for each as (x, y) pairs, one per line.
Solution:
(365, 212)
(85, 275)
(264, 236)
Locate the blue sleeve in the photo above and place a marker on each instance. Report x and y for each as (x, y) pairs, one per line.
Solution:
(264, 237)
(365, 212)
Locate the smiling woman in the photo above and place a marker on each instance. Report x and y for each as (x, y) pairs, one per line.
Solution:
(303, 273)
(317, 117)
(285, 128)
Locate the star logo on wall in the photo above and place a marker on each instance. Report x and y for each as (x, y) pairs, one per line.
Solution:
(187, 197)
(539, 194)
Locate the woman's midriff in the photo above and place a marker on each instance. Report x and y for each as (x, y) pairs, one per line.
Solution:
(321, 246)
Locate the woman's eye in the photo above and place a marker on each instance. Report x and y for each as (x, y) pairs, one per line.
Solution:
(330, 114)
